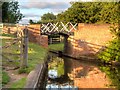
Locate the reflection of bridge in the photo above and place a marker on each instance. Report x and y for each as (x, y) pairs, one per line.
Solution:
(57, 28)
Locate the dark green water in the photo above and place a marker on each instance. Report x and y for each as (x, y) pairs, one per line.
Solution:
(60, 72)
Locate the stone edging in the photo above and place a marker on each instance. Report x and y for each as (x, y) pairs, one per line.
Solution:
(34, 76)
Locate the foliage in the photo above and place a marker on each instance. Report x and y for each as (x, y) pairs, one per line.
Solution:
(60, 69)
(90, 12)
(11, 12)
(48, 17)
(57, 64)
(5, 78)
(1, 4)
(112, 52)
(114, 74)
(31, 21)
(22, 70)
(115, 31)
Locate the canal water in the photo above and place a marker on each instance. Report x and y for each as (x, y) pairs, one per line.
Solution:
(65, 73)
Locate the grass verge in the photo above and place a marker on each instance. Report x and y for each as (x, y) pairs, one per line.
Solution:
(5, 78)
(56, 47)
(18, 85)
(36, 55)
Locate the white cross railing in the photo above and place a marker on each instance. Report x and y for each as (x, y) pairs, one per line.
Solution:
(59, 27)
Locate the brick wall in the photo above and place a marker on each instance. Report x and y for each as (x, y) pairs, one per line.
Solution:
(36, 37)
(88, 39)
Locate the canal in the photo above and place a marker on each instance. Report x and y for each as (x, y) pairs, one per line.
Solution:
(66, 73)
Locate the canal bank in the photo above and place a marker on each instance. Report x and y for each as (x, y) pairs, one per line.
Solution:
(63, 72)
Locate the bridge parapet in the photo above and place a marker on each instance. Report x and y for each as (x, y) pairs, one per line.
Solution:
(56, 28)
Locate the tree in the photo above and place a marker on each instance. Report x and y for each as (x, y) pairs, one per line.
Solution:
(109, 12)
(90, 12)
(31, 21)
(112, 52)
(48, 17)
(1, 11)
(11, 12)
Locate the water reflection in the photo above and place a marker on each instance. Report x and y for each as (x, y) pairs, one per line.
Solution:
(114, 74)
(57, 75)
(86, 74)
(69, 73)
(55, 68)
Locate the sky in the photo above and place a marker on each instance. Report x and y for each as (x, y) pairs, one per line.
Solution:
(34, 9)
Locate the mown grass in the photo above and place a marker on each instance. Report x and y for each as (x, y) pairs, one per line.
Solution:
(5, 78)
(18, 85)
(36, 55)
(56, 47)
(10, 54)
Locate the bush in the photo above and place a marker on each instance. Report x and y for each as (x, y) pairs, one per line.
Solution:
(112, 52)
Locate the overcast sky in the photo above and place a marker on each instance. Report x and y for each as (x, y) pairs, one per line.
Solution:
(34, 9)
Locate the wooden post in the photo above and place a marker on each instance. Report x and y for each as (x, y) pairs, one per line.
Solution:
(25, 47)
(8, 30)
(24, 62)
(50, 40)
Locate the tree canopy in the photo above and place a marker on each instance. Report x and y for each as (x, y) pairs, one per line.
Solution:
(91, 12)
(31, 21)
(48, 17)
(11, 12)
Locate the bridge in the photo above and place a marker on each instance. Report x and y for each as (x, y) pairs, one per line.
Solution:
(84, 39)
(58, 28)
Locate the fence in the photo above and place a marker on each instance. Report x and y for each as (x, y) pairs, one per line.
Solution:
(15, 49)
(9, 28)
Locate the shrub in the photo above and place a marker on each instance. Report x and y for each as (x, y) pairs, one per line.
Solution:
(112, 52)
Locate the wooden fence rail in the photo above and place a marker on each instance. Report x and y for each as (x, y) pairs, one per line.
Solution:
(21, 41)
